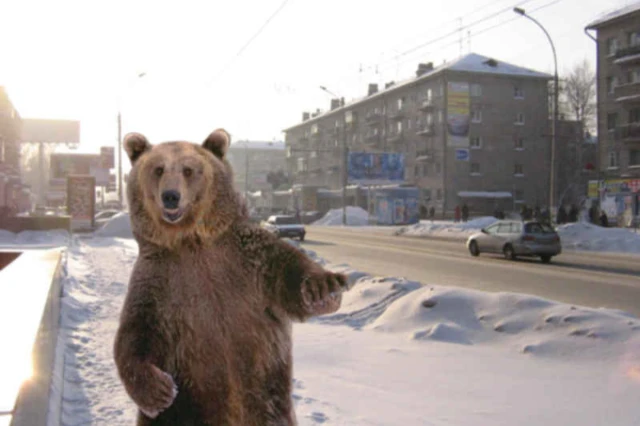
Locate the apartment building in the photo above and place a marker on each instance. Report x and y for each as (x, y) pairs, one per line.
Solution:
(252, 161)
(474, 130)
(618, 76)
(10, 128)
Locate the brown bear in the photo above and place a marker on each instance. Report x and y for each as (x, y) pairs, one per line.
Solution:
(205, 331)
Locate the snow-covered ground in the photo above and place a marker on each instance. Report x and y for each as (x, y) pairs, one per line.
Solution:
(398, 352)
(446, 228)
(355, 217)
(574, 236)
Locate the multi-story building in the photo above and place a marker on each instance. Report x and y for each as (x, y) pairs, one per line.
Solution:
(474, 130)
(10, 127)
(252, 163)
(618, 91)
(618, 76)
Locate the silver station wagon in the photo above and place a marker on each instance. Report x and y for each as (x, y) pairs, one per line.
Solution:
(515, 238)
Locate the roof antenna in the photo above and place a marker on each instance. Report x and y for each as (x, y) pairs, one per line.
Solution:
(469, 41)
(460, 30)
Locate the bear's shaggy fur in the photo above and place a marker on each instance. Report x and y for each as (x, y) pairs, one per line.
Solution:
(205, 331)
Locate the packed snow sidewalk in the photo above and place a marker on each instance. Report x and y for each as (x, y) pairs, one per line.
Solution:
(397, 352)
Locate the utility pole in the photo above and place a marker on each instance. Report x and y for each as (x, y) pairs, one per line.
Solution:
(120, 189)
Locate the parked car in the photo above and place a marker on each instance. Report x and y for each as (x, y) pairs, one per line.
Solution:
(104, 216)
(285, 227)
(515, 238)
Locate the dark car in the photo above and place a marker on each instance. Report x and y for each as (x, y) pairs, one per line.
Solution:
(285, 227)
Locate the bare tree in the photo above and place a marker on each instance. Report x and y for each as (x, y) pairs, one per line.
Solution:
(579, 94)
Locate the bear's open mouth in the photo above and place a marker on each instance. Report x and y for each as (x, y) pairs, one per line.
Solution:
(172, 215)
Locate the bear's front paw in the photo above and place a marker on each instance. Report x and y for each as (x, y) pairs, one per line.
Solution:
(155, 393)
(322, 292)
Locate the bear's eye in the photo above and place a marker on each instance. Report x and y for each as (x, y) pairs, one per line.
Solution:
(187, 171)
(159, 171)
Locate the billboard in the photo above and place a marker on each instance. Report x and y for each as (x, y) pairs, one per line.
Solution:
(107, 157)
(462, 154)
(81, 198)
(50, 131)
(458, 115)
(375, 168)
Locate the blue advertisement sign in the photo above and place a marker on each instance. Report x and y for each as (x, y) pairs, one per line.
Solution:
(375, 168)
(462, 154)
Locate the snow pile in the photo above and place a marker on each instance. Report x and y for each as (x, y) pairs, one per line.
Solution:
(355, 217)
(52, 238)
(119, 226)
(586, 236)
(447, 229)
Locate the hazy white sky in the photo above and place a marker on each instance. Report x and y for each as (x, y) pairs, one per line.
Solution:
(73, 59)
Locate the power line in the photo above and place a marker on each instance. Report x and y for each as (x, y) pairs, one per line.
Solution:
(248, 43)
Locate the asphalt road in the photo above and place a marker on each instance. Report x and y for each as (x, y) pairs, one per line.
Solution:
(588, 279)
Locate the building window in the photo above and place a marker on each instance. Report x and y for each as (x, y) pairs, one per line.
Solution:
(420, 170)
(634, 158)
(518, 143)
(301, 165)
(518, 93)
(633, 76)
(429, 119)
(429, 95)
(438, 168)
(399, 127)
(476, 90)
(518, 170)
(439, 194)
(476, 116)
(476, 142)
(400, 104)
(612, 121)
(519, 119)
(475, 168)
(409, 124)
(634, 116)
(440, 117)
(613, 160)
(612, 82)
(634, 38)
(612, 46)
(519, 196)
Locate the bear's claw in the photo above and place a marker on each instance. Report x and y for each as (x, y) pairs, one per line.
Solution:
(322, 292)
(160, 394)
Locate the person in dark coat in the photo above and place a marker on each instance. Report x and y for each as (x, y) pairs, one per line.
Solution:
(457, 214)
(574, 212)
(423, 211)
(465, 212)
(604, 220)
(561, 217)
(432, 213)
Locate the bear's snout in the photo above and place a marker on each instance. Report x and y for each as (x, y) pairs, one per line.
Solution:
(170, 199)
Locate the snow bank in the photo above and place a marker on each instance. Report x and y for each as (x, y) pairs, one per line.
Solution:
(52, 238)
(586, 236)
(355, 217)
(447, 229)
(119, 226)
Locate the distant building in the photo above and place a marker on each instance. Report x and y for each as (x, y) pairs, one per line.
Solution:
(10, 130)
(473, 130)
(252, 163)
(618, 91)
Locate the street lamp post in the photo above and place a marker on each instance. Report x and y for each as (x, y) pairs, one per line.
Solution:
(554, 121)
(120, 185)
(345, 161)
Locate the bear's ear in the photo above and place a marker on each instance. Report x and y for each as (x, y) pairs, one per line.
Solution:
(217, 143)
(135, 144)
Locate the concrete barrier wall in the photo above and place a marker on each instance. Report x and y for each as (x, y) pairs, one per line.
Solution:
(30, 297)
(36, 223)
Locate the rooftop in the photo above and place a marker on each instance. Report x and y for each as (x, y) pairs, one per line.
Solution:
(471, 63)
(258, 145)
(608, 17)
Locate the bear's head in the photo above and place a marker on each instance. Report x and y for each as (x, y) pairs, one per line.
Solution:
(180, 192)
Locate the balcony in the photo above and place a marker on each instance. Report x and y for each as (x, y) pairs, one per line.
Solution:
(629, 133)
(427, 130)
(628, 93)
(628, 55)
(371, 138)
(424, 156)
(426, 105)
(373, 118)
(398, 114)
(396, 137)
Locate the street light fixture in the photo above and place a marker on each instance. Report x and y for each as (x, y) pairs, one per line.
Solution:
(554, 121)
(345, 159)
(120, 185)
